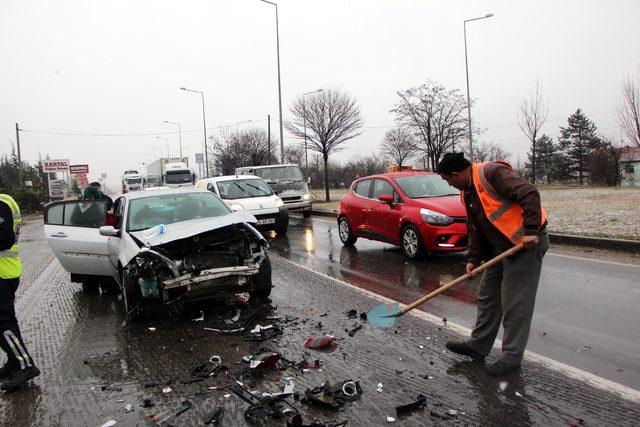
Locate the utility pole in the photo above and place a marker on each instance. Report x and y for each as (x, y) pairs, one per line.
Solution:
(19, 156)
(269, 137)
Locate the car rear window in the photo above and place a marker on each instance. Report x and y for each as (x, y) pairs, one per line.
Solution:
(362, 188)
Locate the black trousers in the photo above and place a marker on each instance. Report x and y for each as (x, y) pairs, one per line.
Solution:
(11, 339)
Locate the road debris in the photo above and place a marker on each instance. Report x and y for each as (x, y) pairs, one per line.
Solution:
(503, 386)
(421, 402)
(391, 420)
(262, 409)
(264, 360)
(585, 348)
(326, 343)
(379, 388)
(353, 313)
(333, 396)
(152, 329)
(147, 403)
(200, 318)
(128, 407)
(237, 315)
(214, 417)
(109, 423)
(518, 394)
(166, 390)
(353, 331)
(225, 331)
(258, 329)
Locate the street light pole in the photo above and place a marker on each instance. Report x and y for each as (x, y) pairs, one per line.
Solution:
(19, 156)
(204, 129)
(466, 65)
(279, 83)
(179, 133)
(304, 121)
(165, 140)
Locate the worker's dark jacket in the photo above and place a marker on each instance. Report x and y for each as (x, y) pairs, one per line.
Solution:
(485, 240)
(7, 236)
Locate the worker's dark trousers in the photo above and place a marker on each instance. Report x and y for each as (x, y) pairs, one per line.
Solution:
(11, 339)
(507, 294)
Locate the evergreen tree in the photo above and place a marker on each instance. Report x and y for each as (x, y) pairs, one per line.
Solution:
(578, 140)
(546, 153)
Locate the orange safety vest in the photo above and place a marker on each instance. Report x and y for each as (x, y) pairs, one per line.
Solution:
(505, 215)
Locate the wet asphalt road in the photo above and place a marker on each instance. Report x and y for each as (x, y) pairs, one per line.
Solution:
(92, 367)
(586, 311)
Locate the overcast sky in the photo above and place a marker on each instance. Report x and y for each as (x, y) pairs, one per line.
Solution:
(115, 67)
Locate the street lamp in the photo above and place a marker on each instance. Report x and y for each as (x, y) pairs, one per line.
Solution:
(466, 65)
(179, 133)
(159, 149)
(304, 120)
(165, 140)
(204, 129)
(279, 85)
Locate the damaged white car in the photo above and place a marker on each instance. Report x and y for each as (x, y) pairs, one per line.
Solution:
(161, 246)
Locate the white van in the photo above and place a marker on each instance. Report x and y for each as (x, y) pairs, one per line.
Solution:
(252, 194)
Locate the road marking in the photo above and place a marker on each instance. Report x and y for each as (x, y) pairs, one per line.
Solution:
(571, 371)
(594, 260)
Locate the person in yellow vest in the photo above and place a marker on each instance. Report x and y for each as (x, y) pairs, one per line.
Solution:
(503, 210)
(19, 367)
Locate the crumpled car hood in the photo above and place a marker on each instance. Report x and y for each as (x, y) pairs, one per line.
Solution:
(185, 229)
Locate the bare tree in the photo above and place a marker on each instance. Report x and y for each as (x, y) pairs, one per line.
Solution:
(332, 118)
(436, 115)
(230, 150)
(531, 116)
(294, 154)
(255, 146)
(400, 145)
(484, 151)
(629, 109)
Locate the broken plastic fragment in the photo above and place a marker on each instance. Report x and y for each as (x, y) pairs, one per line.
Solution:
(214, 417)
(420, 402)
(216, 360)
(391, 420)
(350, 388)
(152, 329)
(166, 390)
(518, 394)
(452, 412)
(421, 347)
(226, 396)
(258, 329)
(379, 389)
(109, 423)
(326, 343)
(503, 386)
(237, 316)
(354, 330)
(199, 319)
(264, 360)
(352, 313)
(147, 403)
(128, 407)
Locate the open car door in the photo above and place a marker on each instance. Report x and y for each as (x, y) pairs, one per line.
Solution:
(71, 229)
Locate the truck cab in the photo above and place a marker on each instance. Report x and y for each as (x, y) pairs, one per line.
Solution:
(132, 181)
(177, 175)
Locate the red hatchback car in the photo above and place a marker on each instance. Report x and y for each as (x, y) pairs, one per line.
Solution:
(418, 211)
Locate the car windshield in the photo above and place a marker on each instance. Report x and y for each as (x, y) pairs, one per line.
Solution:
(171, 208)
(280, 173)
(419, 186)
(243, 188)
(133, 180)
(178, 177)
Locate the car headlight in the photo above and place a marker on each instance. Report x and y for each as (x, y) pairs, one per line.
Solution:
(435, 218)
(279, 202)
(236, 207)
(306, 196)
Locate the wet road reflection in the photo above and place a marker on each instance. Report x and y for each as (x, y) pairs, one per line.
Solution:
(378, 267)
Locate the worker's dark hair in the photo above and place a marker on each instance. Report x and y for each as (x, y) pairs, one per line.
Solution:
(452, 162)
(95, 184)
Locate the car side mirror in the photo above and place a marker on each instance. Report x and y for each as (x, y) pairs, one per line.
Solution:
(108, 230)
(386, 198)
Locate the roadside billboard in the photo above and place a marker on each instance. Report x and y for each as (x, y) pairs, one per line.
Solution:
(52, 166)
(56, 188)
(78, 169)
(199, 159)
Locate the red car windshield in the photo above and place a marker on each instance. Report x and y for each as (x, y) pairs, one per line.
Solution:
(421, 186)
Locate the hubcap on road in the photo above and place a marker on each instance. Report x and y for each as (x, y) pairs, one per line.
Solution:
(344, 230)
(410, 242)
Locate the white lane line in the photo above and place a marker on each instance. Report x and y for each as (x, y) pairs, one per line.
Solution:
(592, 260)
(573, 372)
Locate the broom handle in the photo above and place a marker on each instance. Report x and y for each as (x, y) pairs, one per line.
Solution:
(462, 278)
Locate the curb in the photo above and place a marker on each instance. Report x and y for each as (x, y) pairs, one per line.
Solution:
(565, 239)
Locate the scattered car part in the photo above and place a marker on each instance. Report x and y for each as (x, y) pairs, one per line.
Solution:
(420, 402)
(214, 417)
(326, 343)
(334, 396)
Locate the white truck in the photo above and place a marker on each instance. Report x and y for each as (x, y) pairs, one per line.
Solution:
(170, 172)
(132, 181)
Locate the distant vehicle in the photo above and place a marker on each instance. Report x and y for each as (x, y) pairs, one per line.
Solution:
(132, 181)
(418, 211)
(253, 194)
(163, 246)
(287, 182)
(171, 172)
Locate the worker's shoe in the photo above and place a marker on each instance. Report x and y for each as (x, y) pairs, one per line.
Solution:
(462, 348)
(8, 369)
(501, 368)
(19, 378)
